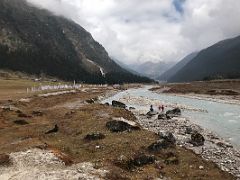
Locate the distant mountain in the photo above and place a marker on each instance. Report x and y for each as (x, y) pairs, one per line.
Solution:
(172, 71)
(151, 69)
(220, 61)
(37, 42)
(127, 67)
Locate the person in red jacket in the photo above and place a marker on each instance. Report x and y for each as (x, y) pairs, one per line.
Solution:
(162, 108)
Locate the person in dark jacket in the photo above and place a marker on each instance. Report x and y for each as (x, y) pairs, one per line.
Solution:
(151, 108)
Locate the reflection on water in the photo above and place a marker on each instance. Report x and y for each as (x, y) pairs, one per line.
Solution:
(224, 119)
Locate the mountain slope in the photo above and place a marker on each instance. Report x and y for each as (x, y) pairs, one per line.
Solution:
(151, 69)
(222, 60)
(124, 66)
(172, 71)
(35, 41)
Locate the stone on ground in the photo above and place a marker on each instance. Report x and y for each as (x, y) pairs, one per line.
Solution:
(118, 104)
(197, 139)
(94, 136)
(121, 125)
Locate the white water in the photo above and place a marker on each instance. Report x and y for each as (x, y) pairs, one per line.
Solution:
(223, 119)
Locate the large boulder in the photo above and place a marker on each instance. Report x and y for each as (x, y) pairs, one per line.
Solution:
(107, 104)
(143, 159)
(189, 130)
(166, 140)
(94, 136)
(132, 108)
(90, 101)
(168, 136)
(118, 104)
(152, 113)
(21, 122)
(197, 139)
(173, 113)
(136, 161)
(121, 125)
(162, 116)
(54, 130)
(159, 145)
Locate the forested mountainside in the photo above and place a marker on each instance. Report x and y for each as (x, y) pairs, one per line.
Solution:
(220, 61)
(37, 42)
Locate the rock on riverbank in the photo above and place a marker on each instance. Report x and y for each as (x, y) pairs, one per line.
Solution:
(214, 149)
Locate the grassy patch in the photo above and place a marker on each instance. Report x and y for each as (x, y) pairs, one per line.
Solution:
(110, 152)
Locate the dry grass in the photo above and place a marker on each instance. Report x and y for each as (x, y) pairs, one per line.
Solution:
(205, 87)
(74, 125)
(12, 89)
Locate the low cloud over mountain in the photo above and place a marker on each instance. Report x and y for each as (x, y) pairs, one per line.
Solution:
(139, 30)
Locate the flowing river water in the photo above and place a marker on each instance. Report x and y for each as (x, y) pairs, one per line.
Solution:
(221, 118)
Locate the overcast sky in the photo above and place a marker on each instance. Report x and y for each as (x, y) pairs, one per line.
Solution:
(152, 30)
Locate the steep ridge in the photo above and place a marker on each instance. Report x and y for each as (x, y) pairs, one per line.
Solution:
(35, 41)
(172, 71)
(220, 61)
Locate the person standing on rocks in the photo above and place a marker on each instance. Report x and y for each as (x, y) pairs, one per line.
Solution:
(162, 108)
(151, 108)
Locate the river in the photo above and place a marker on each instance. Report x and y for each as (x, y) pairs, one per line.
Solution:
(221, 118)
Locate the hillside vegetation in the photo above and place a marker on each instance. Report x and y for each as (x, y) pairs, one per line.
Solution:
(35, 41)
(220, 61)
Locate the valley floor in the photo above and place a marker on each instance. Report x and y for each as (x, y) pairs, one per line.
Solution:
(224, 91)
(27, 151)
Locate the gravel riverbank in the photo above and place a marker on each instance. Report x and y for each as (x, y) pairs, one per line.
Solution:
(215, 149)
(226, 99)
(215, 98)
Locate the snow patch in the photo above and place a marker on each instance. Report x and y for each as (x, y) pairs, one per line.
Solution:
(100, 68)
(102, 72)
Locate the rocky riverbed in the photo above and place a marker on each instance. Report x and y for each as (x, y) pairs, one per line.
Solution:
(144, 101)
(215, 149)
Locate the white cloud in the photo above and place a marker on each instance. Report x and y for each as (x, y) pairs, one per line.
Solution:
(208, 21)
(140, 30)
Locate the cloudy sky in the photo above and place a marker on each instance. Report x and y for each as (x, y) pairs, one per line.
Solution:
(152, 30)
